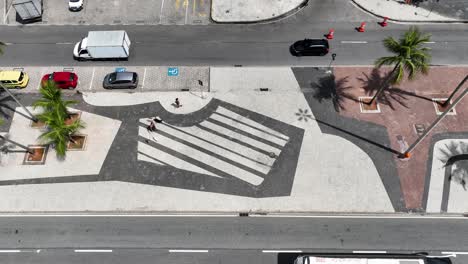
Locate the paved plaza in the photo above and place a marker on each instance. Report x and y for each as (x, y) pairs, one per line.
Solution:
(295, 142)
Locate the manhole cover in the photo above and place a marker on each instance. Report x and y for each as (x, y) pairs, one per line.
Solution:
(272, 155)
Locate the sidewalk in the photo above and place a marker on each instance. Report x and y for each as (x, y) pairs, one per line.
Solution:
(245, 11)
(262, 140)
(426, 11)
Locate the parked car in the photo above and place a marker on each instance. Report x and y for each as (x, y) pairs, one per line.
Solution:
(310, 47)
(64, 80)
(75, 5)
(14, 79)
(121, 80)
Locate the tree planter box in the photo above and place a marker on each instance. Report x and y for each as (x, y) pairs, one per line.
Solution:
(38, 157)
(78, 144)
(73, 117)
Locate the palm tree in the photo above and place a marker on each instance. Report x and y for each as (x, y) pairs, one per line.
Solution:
(55, 113)
(409, 56)
(58, 133)
(52, 99)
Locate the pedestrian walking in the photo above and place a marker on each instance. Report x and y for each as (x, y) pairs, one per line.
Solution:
(177, 103)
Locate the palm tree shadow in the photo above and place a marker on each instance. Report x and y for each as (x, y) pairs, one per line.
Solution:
(336, 91)
(371, 83)
(453, 153)
(4, 101)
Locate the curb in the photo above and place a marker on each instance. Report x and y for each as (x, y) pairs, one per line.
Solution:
(234, 214)
(410, 21)
(303, 4)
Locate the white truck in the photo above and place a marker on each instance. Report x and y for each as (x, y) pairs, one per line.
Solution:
(103, 45)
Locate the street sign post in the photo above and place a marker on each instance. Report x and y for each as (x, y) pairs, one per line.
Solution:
(172, 71)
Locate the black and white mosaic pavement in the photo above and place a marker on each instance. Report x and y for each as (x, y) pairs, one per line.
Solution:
(221, 148)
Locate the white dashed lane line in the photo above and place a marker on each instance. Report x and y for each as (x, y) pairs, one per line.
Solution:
(281, 251)
(10, 251)
(353, 41)
(188, 251)
(93, 250)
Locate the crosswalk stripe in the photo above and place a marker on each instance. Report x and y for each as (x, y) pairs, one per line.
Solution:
(248, 129)
(240, 137)
(250, 122)
(207, 159)
(215, 149)
(168, 158)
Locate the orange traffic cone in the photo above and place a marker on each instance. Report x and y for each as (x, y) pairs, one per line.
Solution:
(384, 23)
(362, 27)
(330, 34)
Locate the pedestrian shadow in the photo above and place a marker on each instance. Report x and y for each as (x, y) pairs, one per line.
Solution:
(374, 143)
(336, 91)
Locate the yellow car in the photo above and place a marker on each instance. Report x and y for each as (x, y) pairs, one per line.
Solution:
(14, 79)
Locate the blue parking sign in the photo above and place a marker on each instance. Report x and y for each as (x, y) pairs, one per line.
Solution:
(173, 71)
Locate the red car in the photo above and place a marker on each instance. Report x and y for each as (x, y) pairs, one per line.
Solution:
(64, 80)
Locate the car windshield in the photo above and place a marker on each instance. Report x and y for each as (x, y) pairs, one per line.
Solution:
(51, 76)
(112, 77)
(21, 77)
(74, 1)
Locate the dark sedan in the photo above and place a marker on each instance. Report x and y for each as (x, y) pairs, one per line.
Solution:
(310, 47)
(121, 80)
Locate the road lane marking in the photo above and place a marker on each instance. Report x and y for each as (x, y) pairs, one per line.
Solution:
(160, 12)
(92, 78)
(354, 41)
(282, 251)
(93, 250)
(144, 76)
(368, 252)
(429, 42)
(454, 253)
(10, 251)
(188, 251)
(64, 43)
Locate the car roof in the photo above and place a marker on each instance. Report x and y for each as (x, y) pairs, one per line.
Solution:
(323, 42)
(124, 76)
(62, 75)
(9, 75)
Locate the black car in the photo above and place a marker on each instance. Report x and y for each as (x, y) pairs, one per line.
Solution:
(121, 80)
(310, 47)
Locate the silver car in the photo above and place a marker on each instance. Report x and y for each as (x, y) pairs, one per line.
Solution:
(121, 80)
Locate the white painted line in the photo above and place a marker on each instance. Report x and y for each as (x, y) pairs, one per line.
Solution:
(120, 215)
(416, 217)
(455, 253)
(186, 10)
(4, 11)
(282, 251)
(429, 42)
(8, 43)
(93, 250)
(354, 41)
(188, 251)
(64, 43)
(160, 12)
(92, 78)
(38, 251)
(6, 15)
(10, 251)
(368, 252)
(144, 76)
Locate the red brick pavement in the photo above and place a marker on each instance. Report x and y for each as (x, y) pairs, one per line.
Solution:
(400, 112)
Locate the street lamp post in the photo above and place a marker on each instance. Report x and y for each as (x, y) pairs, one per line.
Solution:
(434, 124)
(329, 71)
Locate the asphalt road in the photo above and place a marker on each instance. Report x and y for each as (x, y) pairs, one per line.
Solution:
(224, 240)
(227, 45)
